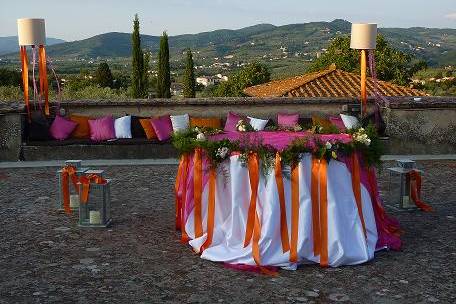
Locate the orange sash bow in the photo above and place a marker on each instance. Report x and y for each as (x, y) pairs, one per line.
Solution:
(415, 189)
(68, 172)
(253, 166)
(86, 181)
(210, 210)
(294, 212)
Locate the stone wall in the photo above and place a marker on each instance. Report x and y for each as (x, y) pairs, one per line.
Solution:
(426, 126)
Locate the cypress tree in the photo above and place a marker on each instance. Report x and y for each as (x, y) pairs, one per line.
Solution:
(137, 61)
(164, 77)
(145, 75)
(189, 77)
(103, 76)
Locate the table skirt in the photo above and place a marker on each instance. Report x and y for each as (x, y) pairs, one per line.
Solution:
(348, 242)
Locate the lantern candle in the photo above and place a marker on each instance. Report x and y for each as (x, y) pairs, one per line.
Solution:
(74, 201)
(94, 218)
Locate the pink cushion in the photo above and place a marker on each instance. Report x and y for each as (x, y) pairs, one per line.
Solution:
(287, 120)
(338, 122)
(62, 128)
(102, 128)
(231, 121)
(162, 127)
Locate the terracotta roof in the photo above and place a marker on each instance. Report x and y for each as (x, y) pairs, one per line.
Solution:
(331, 82)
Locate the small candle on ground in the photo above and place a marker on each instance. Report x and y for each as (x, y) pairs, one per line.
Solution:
(94, 217)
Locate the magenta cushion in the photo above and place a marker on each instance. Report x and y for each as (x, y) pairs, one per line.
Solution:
(287, 120)
(162, 127)
(62, 128)
(231, 121)
(338, 122)
(102, 128)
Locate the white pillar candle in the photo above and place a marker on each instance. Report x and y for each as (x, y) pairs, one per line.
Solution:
(74, 201)
(94, 217)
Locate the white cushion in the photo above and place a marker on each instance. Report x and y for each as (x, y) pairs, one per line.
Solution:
(122, 126)
(180, 122)
(257, 123)
(350, 122)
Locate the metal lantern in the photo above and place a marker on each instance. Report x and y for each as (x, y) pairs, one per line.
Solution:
(73, 162)
(403, 169)
(95, 172)
(74, 195)
(96, 211)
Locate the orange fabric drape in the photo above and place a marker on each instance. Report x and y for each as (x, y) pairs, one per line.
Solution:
(319, 196)
(198, 192)
(356, 185)
(315, 206)
(323, 213)
(44, 89)
(210, 210)
(25, 84)
(85, 182)
(253, 167)
(283, 211)
(68, 172)
(294, 213)
(415, 189)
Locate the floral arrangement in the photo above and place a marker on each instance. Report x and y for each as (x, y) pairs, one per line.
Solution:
(244, 126)
(364, 141)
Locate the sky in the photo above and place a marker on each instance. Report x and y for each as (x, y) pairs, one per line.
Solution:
(79, 19)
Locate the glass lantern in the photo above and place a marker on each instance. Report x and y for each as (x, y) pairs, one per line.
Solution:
(403, 169)
(74, 196)
(96, 212)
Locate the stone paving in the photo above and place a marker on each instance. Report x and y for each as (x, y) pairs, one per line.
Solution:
(46, 258)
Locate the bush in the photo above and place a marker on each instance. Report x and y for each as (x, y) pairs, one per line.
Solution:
(11, 93)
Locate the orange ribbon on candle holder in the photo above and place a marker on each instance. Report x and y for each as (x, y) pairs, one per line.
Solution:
(68, 172)
(25, 79)
(86, 181)
(42, 67)
(415, 191)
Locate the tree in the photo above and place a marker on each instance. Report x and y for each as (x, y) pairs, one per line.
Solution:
(164, 75)
(189, 77)
(137, 85)
(391, 64)
(145, 75)
(103, 76)
(252, 74)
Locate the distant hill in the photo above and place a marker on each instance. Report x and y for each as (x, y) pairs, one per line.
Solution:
(9, 44)
(262, 42)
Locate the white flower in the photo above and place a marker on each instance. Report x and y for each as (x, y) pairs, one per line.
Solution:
(200, 137)
(328, 145)
(222, 152)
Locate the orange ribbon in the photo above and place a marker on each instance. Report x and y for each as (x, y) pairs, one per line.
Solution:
(323, 214)
(415, 189)
(294, 213)
(68, 172)
(315, 206)
(178, 201)
(44, 89)
(25, 84)
(183, 201)
(198, 191)
(283, 212)
(319, 196)
(86, 181)
(253, 166)
(210, 210)
(356, 185)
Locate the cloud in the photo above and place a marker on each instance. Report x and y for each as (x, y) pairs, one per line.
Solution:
(451, 16)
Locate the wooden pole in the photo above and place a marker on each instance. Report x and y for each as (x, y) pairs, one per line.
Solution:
(363, 83)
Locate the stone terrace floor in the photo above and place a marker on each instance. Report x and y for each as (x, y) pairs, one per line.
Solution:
(45, 257)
